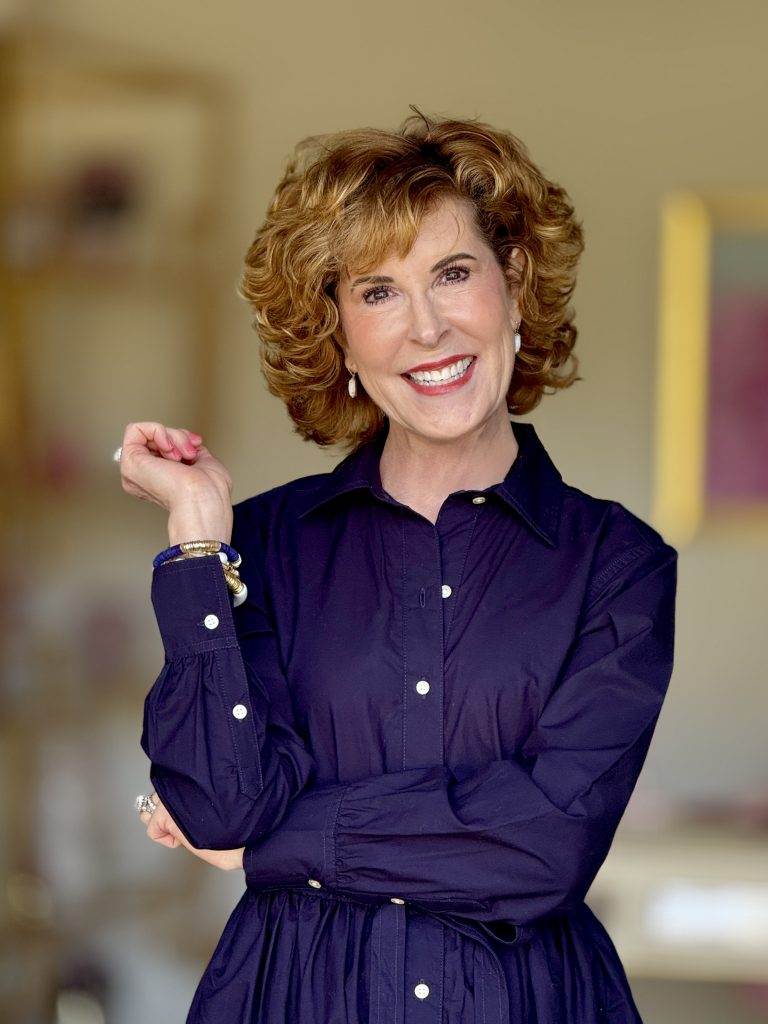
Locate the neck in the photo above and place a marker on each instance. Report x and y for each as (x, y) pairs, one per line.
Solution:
(422, 471)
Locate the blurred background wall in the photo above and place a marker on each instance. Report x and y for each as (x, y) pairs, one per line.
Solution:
(140, 149)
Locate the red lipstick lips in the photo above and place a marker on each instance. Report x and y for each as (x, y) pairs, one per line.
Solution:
(446, 386)
(440, 364)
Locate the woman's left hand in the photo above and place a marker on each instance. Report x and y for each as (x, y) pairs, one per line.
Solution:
(161, 828)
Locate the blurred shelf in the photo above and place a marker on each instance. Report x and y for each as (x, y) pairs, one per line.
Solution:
(159, 274)
(688, 903)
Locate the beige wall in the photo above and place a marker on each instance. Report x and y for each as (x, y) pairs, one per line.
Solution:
(617, 102)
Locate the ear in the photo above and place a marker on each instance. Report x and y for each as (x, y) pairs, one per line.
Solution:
(515, 264)
(513, 274)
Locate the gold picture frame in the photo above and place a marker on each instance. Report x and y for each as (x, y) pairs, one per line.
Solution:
(694, 228)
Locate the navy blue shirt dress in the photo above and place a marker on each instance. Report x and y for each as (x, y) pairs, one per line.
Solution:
(424, 735)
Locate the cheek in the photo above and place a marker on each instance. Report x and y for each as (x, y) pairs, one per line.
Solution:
(484, 317)
(484, 305)
(373, 342)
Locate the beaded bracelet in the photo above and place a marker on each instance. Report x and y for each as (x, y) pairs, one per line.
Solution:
(230, 560)
(203, 547)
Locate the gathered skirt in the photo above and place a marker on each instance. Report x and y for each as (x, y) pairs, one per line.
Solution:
(305, 957)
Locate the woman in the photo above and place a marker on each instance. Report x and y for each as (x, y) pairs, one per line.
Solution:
(419, 731)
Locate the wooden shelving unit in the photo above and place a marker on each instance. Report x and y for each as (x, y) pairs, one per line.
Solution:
(111, 189)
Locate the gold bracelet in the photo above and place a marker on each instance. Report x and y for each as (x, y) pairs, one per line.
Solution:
(203, 546)
(197, 548)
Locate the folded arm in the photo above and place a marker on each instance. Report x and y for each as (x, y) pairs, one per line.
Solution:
(517, 839)
(226, 759)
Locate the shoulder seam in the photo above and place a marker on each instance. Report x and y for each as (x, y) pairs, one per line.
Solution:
(619, 561)
(610, 571)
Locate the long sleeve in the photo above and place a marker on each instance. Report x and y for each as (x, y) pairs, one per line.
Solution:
(517, 839)
(226, 759)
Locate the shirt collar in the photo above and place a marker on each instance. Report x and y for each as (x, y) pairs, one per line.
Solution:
(532, 486)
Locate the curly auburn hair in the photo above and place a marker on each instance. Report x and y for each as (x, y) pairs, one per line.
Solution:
(349, 199)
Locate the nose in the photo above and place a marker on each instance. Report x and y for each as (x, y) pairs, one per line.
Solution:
(426, 326)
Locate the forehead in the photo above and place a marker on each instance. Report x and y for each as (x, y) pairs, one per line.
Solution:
(450, 220)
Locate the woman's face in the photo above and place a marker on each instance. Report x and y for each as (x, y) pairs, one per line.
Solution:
(448, 300)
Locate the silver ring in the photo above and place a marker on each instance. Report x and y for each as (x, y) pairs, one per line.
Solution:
(118, 454)
(145, 803)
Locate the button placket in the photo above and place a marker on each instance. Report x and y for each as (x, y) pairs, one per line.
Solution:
(422, 741)
(424, 967)
(388, 942)
(422, 727)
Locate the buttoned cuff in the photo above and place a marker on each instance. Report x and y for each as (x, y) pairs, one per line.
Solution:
(192, 606)
(302, 848)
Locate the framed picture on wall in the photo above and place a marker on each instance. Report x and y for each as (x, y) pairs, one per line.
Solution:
(712, 381)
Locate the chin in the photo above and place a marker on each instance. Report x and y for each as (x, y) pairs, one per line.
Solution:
(448, 427)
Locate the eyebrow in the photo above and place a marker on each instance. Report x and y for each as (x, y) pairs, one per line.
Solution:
(381, 279)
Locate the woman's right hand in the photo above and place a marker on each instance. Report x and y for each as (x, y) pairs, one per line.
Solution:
(172, 468)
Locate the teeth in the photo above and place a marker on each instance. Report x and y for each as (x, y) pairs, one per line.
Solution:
(448, 373)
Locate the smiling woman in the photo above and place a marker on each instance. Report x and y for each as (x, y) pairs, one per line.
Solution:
(418, 732)
(374, 234)
(465, 313)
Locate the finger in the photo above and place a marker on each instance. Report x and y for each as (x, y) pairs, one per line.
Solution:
(169, 447)
(161, 826)
(182, 442)
(160, 835)
(156, 828)
(167, 840)
(195, 439)
(182, 840)
(138, 437)
(153, 799)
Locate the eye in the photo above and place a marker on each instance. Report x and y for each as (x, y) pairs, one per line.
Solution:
(462, 270)
(373, 291)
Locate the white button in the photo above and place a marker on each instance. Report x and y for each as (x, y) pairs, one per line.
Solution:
(315, 884)
(478, 500)
(446, 590)
(421, 991)
(239, 710)
(395, 899)
(211, 621)
(422, 686)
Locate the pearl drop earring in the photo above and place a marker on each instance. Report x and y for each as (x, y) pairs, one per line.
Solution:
(352, 386)
(518, 341)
